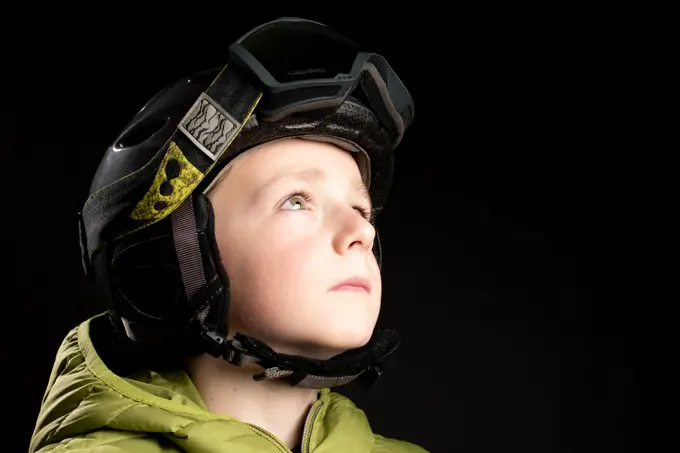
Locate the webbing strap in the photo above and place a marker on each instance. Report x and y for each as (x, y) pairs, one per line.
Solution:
(210, 125)
(317, 382)
(188, 250)
(311, 381)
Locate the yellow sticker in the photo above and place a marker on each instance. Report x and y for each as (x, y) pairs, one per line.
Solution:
(156, 206)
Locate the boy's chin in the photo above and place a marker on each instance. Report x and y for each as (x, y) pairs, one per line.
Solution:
(331, 347)
(321, 345)
(321, 349)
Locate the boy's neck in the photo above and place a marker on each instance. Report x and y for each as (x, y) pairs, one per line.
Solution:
(272, 405)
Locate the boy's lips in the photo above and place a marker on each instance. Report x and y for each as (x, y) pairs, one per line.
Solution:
(353, 284)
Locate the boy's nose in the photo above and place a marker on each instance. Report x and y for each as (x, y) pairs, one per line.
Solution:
(354, 232)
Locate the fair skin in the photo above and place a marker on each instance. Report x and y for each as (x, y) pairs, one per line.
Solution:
(284, 255)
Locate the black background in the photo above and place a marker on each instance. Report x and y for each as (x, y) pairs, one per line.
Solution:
(530, 195)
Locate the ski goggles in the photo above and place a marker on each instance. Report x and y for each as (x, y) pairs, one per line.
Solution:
(304, 67)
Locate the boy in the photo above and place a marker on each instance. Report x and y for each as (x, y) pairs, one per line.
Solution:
(232, 231)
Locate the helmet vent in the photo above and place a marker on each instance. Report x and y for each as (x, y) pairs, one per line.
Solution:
(141, 132)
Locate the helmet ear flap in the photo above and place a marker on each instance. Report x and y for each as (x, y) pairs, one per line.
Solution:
(146, 284)
(144, 276)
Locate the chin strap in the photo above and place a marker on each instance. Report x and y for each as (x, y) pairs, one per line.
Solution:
(362, 364)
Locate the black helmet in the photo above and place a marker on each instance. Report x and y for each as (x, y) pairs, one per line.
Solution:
(147, 226)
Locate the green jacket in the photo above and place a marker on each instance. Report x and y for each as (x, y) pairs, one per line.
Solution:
(88, 408)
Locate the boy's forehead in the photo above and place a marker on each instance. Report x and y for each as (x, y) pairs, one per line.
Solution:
(268, 163)
(300, 158)
(312, 174)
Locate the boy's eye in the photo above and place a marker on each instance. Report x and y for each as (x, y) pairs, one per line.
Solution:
(295, 203)
(365, 213)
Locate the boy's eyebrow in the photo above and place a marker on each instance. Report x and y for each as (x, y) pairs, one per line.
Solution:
(315, 174)
(361, 188)
(310, 174)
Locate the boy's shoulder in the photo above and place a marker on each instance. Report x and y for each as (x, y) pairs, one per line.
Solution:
(386, 445)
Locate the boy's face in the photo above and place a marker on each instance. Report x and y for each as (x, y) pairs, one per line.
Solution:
(284, 254)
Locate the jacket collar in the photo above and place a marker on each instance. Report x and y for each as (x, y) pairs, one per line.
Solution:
(335, 423)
